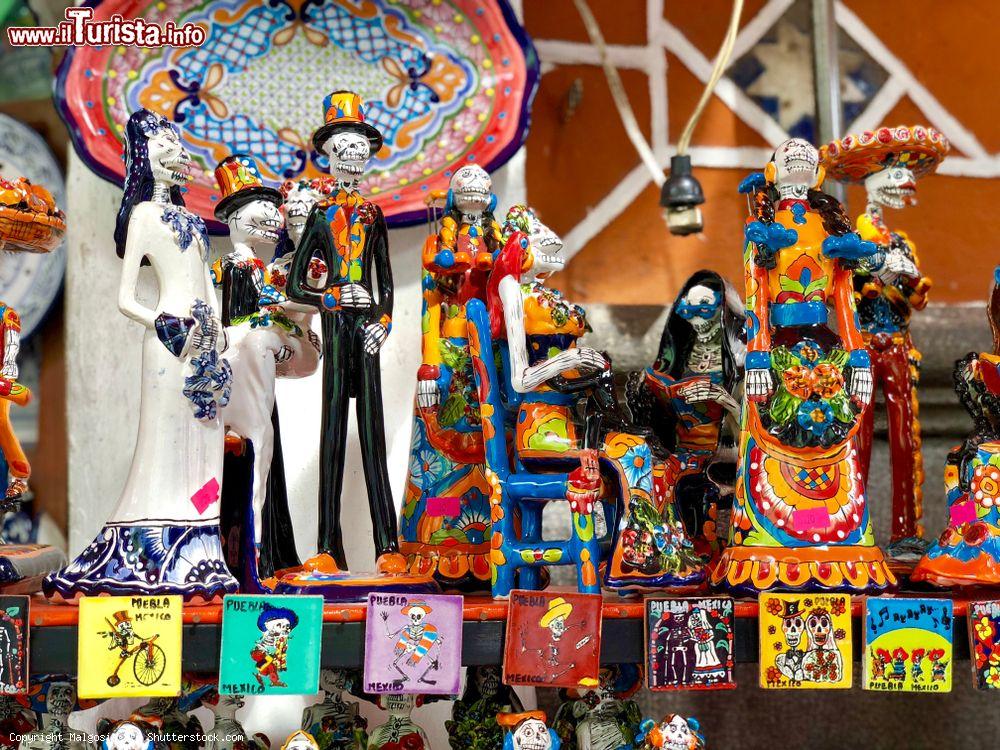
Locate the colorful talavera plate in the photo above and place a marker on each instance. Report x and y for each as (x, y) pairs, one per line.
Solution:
(446, 81)
(30, 282)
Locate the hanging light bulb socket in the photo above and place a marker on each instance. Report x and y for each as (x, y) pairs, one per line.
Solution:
(680, 197)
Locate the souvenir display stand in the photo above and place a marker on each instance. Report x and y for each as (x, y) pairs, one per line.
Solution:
(564, 523)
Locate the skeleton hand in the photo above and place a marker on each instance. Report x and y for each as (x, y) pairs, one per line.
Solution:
(861, 384)
(584, 360)
(699, 391)
(205, 336)
(427, 394)
(314, 340)
(375, 336)
(355, 297)
(759, 384)
(384, 616)
(283, 354)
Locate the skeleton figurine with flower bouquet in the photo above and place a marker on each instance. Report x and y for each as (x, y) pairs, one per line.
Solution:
(800, 515)
(968, 551)
(603, 717)
(890, 286)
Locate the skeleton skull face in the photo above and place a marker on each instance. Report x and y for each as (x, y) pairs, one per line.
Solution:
(332, 681)
(701, 307)
(894, 187)
(796, 164)
(557, 627)
(300, 197)
(280, 627)
(256, 224)
(532, 734)
(487, 680)
(227, 705)
(820, 625)
(398, 704)
(168, 159)
(471, 188)
(676, 734)
(792, 628)
(545, 248)
(127, 736)
(300, 741)
(417, 615)
(60, 698)
(125, 628)
(349, 153)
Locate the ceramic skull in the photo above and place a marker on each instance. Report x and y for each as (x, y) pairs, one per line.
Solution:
(349, 153)
(487, 680)
(532, 734)
(257, 223)
(471, 189)
(60, 699)
(894, 187)
(126, 736)
(332, 680)
(168, 159)
(701, 307)
(300, 197)
(676, 734)
(796, 164)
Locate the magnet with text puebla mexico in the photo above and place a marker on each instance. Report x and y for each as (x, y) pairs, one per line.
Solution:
(908, 645)
(553, 639)
(130, 646)
(271, 645)
(689, 643)
(984, 644)
(413, 644)
(13, 645)
(805, 641)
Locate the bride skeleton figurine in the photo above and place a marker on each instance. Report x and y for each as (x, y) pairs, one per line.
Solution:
(889, 287)
(163, 536)
(348, 233)
(800, 517)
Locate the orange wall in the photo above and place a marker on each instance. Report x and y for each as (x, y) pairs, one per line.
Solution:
(572, 164)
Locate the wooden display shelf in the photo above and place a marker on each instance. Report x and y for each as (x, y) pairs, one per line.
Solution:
(54, 633)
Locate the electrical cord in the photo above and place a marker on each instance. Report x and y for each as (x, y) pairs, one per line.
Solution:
(620, 97)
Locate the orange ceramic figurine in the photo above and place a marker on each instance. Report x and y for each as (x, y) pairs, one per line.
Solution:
(889, 286)
(800, 516)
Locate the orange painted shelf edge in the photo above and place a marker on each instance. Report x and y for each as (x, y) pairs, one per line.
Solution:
(477, 609)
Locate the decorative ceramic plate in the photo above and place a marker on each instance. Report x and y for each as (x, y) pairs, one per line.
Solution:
(445, 81)
(30, 282)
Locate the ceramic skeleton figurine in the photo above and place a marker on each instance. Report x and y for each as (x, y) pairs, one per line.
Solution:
(527, 731)
(227, 733)
(399, 730)
(690, 398)
(890, 287)
(348, 233)
(336, 724)
(672, 732)
(55, 732)
(11, 391)
(800, 517)
(602, 718)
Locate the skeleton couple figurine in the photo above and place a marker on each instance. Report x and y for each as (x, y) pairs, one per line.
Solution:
(812, 654)
(889, 287)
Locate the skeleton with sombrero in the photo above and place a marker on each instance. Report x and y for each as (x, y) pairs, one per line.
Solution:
(557, 652)
(414, 642)
(889, 286)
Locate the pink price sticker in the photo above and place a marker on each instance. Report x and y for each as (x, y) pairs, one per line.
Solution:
(810, 519)
(962, 513)
(443, 506)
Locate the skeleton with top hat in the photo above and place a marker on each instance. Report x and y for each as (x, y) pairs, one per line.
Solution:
(889, 287)
(348, 233)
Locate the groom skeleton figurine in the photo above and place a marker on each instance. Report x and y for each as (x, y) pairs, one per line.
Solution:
(348, 233)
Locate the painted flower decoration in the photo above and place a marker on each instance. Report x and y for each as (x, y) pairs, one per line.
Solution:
(808, 352)
(976, 534)
(985, 486)
(773, 675)
(993, 677)
(815, 416)
(827, 380)
(838, 606)
(839, 634)
(799, 381)
(774, 606)
(984, 628)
